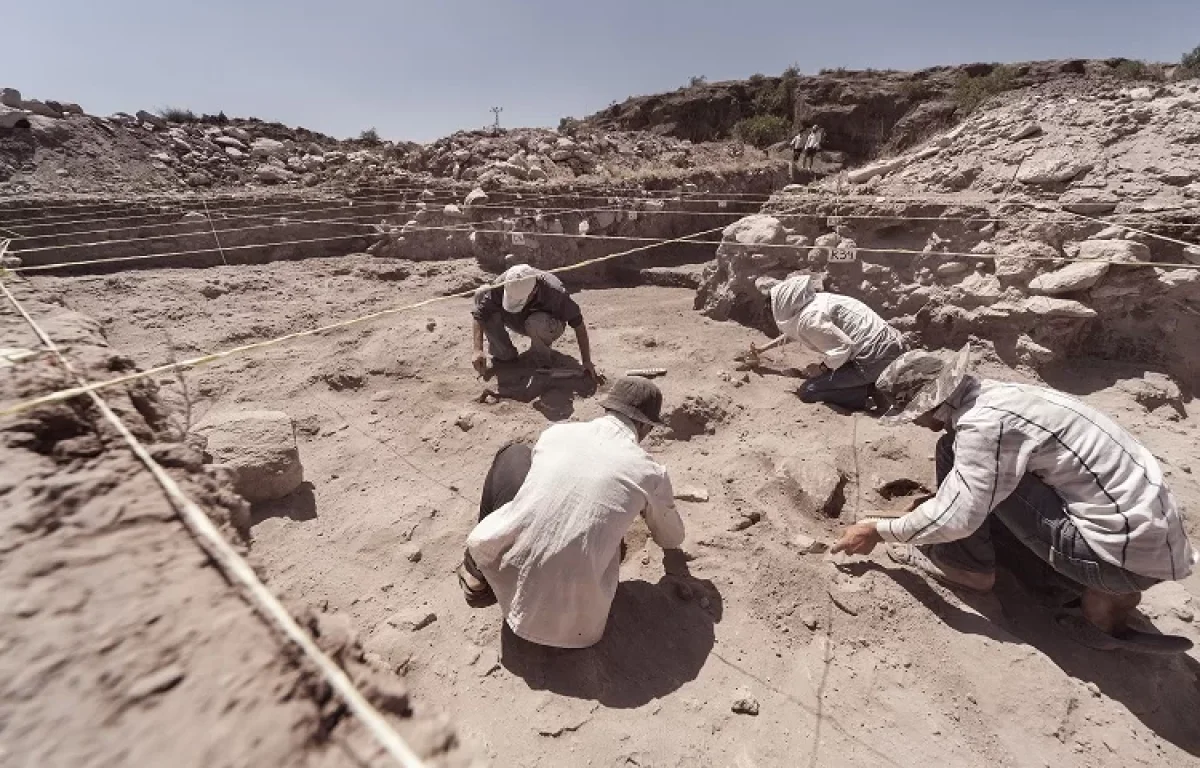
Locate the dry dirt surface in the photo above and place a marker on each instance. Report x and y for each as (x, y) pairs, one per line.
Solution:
(748, 653)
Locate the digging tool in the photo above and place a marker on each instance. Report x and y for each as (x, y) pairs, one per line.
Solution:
(647, 373)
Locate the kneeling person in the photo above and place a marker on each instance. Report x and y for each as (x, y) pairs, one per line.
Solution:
(1070, 484)
(855, 343)
(532, 303)
(552, 520)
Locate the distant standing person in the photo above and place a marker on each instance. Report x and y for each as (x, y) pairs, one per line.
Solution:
(532, 303)
(812, 145)
(798, 147)
(855, 343)
(552, 520)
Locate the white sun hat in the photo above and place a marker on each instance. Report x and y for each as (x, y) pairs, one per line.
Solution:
(518, 281)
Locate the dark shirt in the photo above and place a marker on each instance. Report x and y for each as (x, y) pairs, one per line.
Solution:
(548, 296)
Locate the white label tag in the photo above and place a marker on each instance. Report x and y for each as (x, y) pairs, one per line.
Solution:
(844, 254)
(722, 203)
(518, 238)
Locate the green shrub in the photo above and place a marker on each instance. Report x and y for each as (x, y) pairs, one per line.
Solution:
(970, 92)
(762, 130)
(1129, 69)
(1191, 61)
(370, 136)
(177, 115)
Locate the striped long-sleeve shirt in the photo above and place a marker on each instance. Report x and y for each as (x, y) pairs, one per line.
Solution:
(1111, 486)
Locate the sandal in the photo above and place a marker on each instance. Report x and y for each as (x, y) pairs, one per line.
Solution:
(1087, 634)
(477, 593)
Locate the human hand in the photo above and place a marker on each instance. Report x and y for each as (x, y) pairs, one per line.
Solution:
(858, 539)
(480, 363)
(590, 369)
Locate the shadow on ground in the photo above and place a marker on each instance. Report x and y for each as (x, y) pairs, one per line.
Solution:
(658, 638)
(553, 397)
(299, 505)
(1161, 691)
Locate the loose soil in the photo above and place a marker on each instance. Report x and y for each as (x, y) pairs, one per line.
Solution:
(848, 663)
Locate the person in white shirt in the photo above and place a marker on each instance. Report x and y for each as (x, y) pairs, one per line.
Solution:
(855, 343)
(1071, 484)
(549, 539)
(797, 145)
(812, 145)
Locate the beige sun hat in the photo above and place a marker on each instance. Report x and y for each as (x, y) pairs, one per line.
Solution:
(519, 282)
(919, 381)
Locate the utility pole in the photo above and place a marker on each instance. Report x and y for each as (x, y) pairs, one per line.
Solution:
(496, 123)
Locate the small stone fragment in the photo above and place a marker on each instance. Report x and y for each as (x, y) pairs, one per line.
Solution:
(413, 619)
(692, 493)
(157, 682)
(745, 703)
(412, 553)
(807, 545)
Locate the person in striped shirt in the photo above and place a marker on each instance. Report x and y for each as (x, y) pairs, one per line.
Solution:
(1071, 484)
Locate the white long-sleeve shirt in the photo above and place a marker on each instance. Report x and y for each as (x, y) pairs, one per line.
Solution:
(841, 329)
(1111, 486)
(552, 554)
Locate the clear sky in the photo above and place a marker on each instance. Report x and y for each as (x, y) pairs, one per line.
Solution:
(419, 70)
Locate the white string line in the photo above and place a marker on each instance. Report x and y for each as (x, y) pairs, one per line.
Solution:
(67, 394)
(381, 199)
(238, 571)
(214, 234)
(373, 220)
(1068, 216)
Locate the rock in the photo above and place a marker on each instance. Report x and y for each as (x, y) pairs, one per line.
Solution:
(387, 692)
(268, 148)
(10, 118)
(272, 174)
(1053, 166)
(1115, 251)
(1109, 233)
(71, 108)
(260, 448)
(10, 97)
(1020, 261)
(156, 682)
(475, 197)
(951, 268)
(744, 703)
(235, 154)
(230, 141)
(1075, 277)
(150, 119)
(696, 415)
(1153, 390)
(692, 493)
(1192, 254)
(757, 229)
(1033, 354)
(1025, 131)
(1045, 306)
(465, 421)
(199, 179)
(237, 133)
(411, 552)
(807, 545)
(881, 168)
(1089, 202)
(40, 108)
(413, 619)
(815, 480)
(1140, 94)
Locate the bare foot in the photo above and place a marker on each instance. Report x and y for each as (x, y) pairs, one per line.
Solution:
(947, 574)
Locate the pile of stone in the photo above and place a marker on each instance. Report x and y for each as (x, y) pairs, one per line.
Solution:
(14, 107)
(530, 155)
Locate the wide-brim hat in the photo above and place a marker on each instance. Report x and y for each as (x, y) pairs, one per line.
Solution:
(639, 399)
(519, 282)
(919, 381)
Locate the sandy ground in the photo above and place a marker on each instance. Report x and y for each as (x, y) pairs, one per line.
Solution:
(858, 665)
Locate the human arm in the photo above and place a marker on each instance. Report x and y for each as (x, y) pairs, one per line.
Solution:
(662, 518)
(478, 358)
(990, 459)
(772, 344)
(585, 352)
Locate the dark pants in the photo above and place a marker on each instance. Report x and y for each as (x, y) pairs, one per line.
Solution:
(852, 385)
(1037, 517)
(504, 479)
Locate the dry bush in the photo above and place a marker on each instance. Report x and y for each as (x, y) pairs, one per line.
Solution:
(177, 115)
(971, 92)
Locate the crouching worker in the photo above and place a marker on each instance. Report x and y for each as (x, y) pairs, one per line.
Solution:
(532, 303)
(854, 342)
(1066, 480)
(552, 520)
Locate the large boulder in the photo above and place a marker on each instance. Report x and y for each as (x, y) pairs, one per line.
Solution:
(1090, 202)
(10, 97)
(260, 448)
(1075, 277)
(881, 168)
(727, 290)
(1054, 166)
(1115, 251)
(268, 148)
(230, 141)
(272, 174)
(40, 108)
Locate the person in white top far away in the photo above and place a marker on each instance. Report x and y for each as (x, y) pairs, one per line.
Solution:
(855, 344)
(551, 520)
(1071, 485)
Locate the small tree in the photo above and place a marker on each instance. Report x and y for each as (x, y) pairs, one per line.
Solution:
(369, 136)
(695, 81)
(762, 131)
(1191, 61)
